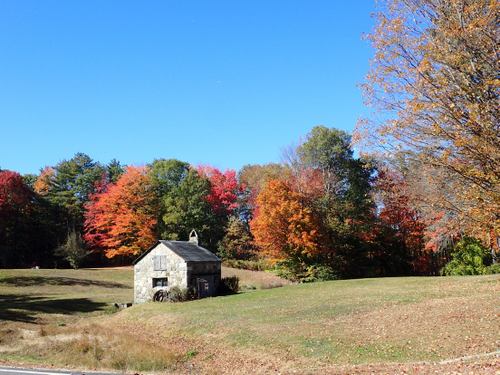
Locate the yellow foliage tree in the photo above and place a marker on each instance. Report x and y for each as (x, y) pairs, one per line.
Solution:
(434, 79)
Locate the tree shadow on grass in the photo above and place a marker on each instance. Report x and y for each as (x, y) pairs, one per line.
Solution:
(62, 281)
(24, 308)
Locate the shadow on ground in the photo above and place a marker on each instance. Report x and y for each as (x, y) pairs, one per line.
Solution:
(23, 308)
(63, 281)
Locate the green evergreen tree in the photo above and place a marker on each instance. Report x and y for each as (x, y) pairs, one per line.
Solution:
(73, 181)
(29, 179)
(114, 170)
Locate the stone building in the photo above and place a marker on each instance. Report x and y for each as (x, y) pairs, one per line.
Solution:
(184, 264)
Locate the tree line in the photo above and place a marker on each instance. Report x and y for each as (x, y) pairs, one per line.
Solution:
(320, 214)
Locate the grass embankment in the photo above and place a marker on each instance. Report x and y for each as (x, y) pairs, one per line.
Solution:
(341, 326)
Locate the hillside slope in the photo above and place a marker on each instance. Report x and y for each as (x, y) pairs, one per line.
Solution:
(369, 325)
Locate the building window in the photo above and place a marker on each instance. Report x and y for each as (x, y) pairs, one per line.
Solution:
(160, 263)
(159, 282)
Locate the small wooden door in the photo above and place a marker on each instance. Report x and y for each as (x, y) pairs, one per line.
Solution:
(203, 287)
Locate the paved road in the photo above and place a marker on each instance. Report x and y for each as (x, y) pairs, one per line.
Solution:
(30, 371)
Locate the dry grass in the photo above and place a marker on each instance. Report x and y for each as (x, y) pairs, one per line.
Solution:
(393, 325)
(93, 345)
(98, 346)
(255, 279)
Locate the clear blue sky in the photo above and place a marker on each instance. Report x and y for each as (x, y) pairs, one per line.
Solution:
(225, 83)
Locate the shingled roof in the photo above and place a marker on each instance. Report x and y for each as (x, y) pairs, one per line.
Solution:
(188, 251)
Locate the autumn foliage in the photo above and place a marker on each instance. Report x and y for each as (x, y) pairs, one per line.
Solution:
(224, 189)
(121, 219)
(434, 83)
(283, 225)
(14, 194)
(43, 182)
(16, 224)
(398, 214)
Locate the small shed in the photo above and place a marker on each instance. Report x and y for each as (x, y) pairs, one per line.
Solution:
(183, 264)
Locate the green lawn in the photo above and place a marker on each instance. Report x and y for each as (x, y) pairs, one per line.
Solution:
(333, 326)
(36, 295)
(352, 321)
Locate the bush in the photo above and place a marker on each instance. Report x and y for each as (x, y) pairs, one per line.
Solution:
(174, 294)
(319, 272)
(289, 269)
(295, 270)
(469, 257)
(229, 285)
(494, 268)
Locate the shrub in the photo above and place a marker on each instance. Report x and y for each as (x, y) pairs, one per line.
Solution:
(295, 270)
(160, 296)
(288, 269)
(229, 285)
(469, 257)
(494, 268)
(319, 272)
(174, 294)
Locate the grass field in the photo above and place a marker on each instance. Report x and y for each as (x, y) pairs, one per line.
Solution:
(65, 318)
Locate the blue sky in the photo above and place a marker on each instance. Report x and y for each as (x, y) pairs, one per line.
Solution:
(225, 83)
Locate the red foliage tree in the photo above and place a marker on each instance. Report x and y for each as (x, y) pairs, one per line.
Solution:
(308, 182)
(14, 194)
(121, 219)
(16, 210)
(224, 189)
(398, 213)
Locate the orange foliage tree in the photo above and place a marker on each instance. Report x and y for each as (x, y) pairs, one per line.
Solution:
(254, 177)
(284, 226)
(121, 219)
(43, 182)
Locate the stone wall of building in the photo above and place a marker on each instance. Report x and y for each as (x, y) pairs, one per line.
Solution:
(176, 273)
